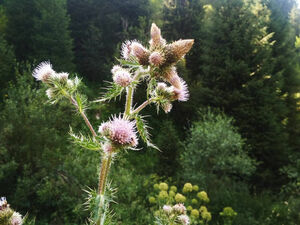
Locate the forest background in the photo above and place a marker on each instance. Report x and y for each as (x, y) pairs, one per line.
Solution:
(237, 137)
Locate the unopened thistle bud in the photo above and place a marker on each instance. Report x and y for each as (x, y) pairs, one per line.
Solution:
(122, 77)
(167, 107)
(178, 49)
(156, 58)
(43, 72)
(107, 147)
(179, 208)
(50, 93)
(167, 209)
(156, 38)
(140, 52)
(184, 219)
(16, 219)
(115, 69)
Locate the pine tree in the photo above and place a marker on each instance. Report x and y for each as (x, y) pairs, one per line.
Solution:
(235, 71)
(38, 30)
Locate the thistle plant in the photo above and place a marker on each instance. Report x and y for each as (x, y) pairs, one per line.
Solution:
(7, 215)
(154, 65)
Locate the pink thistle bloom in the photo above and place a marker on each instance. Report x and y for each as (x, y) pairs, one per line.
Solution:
(156, 59)
(168, 209)
(180, 208)
(3, 203)
(43, 72)
(182, 93)
(161, 86)
(123, 132)
(122, 77)
(120, 131)
(184, 219)
(16, 219)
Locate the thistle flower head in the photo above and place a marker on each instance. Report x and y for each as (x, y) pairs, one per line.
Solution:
(50, 93)
(179, 208)
(167, 209)
(172, 77)
(63, 75)
(140, 52)
(120, 131)
(16, 219)
(167, 107)
(178, 49)
(43, 72)
(184, 219)
(181, 94)
(156, 58)
(122, 77)
(156, 38)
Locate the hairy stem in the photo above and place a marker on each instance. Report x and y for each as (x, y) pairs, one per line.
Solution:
(143, 105)
(104, 168)
(86, 120)
(128, 103)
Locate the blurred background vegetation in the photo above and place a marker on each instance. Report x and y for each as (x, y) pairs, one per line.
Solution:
(237, 137)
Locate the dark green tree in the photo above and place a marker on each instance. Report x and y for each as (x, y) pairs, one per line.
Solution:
(234, 68)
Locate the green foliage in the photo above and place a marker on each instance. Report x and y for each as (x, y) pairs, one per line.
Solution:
(215, 150)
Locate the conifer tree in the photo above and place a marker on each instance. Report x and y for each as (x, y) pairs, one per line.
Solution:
(236, 67)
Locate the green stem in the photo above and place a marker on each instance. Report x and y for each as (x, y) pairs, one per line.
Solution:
(143, 105)
(86, 120)
(128, 101)
(104, 169)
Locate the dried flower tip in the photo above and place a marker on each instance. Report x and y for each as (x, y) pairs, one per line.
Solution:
(179, 208)
(126, 50)
(115, 69)
(167, 107)
(156, 39)
(140, 52)
(122, 77)
(184, 219)
(156, 58)
(168, 209)
(178, 49)
(181, 94)
(43, 71)
(50, 93)
(16, 219)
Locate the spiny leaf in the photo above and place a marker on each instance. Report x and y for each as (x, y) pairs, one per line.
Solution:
(128, 63)
(143, 131)
(85, 142)
(112, 92)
